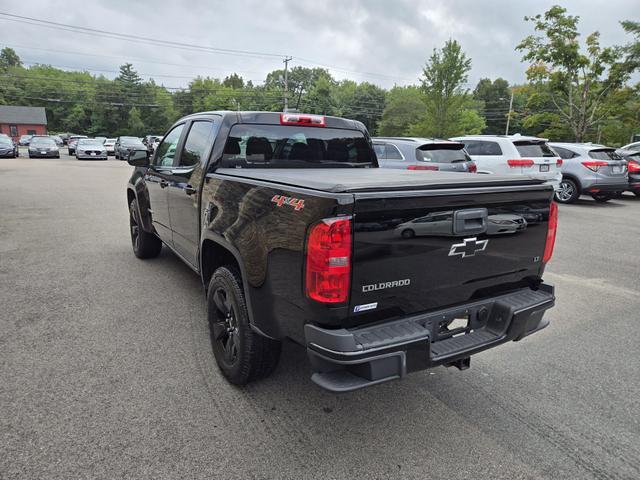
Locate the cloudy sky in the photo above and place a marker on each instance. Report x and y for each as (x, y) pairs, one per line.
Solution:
(383, 42)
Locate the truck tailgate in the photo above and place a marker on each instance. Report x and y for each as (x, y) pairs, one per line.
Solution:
(418, 251)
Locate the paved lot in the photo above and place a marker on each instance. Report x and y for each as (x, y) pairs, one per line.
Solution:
(106, 369)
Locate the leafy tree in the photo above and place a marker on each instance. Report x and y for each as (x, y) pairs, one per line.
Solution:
(9, 58)
(496, 97)
(404, 106)
(234, 81)
(135, 126)
(632, 50)
(443, 79)
(577, 80)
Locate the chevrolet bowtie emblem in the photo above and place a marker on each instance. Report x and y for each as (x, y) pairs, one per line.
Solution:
(468, 248)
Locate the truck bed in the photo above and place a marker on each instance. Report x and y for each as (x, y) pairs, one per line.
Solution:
(347, 180)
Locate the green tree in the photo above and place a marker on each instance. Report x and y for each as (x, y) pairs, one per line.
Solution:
(443, 79)
(234, 81)
(495, 96)
(403, 107)
(135, 125)
(577, 80)
(632, 50)
(9, 58)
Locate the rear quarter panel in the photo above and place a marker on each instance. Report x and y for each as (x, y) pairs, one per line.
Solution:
(270, 238)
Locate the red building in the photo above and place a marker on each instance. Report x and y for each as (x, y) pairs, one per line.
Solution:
(17, 121)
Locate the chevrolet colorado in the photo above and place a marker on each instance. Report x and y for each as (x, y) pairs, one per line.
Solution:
(296, 233)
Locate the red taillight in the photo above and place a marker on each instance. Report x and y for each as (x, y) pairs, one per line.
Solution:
(473, 168)
(551, 232)
(594, 165)
(559, 162)
(304, 120)
(422, 167)
(634, 167)
(328, 267)
(520, 163)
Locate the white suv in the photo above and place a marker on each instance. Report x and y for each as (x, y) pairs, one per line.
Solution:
(514, 154)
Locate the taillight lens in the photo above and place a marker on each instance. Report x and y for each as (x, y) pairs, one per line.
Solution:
(328, 266)
(559, 162)
(634, 167)
(519, 162)
(594, 165)
(473, 168)
(422, 167)
(304, 120)
(551, 232)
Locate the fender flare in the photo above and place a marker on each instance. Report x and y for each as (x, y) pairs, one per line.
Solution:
(208, 235)
(142, 203)
(574, 179)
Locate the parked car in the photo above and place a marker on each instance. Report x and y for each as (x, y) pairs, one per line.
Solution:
(43, 146)
(71, 143)
(633, 168)
(8, 147)
(24, 140)
(90, 149)
(101, 139)
(58, 140)
(109, 145)
(590, 169)
(422, 154)
(513, 155)
(124, 145)
(629, 149)
(277, 213)
(149, 140)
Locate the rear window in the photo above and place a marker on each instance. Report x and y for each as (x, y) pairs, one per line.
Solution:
(291, 146)
(482, 147)
(442, 153)
(528, 148)
(604, 154)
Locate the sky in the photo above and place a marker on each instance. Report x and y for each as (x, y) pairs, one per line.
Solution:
(382, 42)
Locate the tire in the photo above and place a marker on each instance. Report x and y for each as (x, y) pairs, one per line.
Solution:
(408, 233)
(145, 244)
(568, 192)
(242, 355)
(602, 197)
(636, 193)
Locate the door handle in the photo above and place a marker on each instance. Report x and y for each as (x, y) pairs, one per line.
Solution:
(189, 190)
(164, 183)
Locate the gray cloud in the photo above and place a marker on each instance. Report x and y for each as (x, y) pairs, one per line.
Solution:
(384, 42)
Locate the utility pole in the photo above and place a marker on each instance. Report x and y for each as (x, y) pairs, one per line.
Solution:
(286, 82)
(506, 132)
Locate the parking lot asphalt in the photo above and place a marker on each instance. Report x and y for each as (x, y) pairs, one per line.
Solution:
(106, 369)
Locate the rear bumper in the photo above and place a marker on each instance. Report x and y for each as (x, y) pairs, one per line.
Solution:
(349, 359)
(82, 156)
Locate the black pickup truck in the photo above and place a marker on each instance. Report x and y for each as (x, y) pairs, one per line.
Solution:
(296, 233)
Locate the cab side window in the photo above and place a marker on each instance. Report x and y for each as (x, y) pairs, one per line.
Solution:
(166, 151)
(197, 143)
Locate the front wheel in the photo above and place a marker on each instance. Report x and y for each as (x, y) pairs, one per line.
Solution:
(241, 354)
(145, 244)
(568, 191)
(602, 197)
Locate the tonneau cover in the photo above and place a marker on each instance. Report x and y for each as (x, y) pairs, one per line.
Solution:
(345, 180)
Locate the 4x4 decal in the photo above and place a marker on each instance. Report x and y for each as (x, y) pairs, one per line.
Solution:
(281, 200)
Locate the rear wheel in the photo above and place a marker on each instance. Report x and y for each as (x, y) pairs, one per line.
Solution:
(568, 191)
(602, 197)
(242, 355)
(408, 233)
(145, 244)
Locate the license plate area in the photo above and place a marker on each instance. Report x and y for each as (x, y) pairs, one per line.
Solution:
(544, 168)
(43, 153)
(617, 169)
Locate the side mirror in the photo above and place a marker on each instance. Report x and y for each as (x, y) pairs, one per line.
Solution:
(138, 158)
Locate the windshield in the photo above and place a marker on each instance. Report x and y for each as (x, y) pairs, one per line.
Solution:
(5, 141)
(43, 142)
(293, 146)
(92, 143)
(442, 153)
(529, 148)
(604, 154)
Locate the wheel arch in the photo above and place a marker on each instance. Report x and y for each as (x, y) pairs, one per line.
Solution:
(574, 179)
(216, 252)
